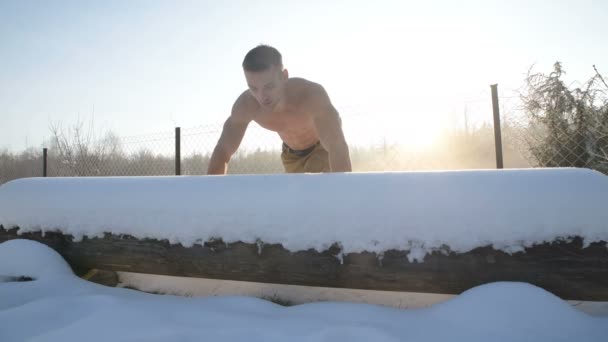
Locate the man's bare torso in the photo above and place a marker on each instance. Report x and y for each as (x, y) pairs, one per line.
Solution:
(291, 120)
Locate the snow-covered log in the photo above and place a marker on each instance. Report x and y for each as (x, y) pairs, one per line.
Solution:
(440, 232)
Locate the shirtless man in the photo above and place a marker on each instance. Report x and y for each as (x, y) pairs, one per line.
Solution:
(298, 110)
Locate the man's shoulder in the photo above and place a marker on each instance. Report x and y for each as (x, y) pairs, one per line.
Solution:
(305, 90)
(244, 105)
(245, 99)
(302, 85)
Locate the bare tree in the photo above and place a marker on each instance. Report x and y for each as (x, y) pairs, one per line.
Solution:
(568, 127)
(80, 151)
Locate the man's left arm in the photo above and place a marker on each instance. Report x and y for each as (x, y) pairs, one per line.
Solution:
(329, 127)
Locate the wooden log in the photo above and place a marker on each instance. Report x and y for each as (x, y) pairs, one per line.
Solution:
(564, 268)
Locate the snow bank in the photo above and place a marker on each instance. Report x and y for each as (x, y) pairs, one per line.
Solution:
(26, 258)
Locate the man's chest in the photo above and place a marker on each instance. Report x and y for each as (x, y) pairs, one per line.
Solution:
(284, 121)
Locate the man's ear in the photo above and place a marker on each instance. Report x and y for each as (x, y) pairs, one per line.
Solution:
(285, 74)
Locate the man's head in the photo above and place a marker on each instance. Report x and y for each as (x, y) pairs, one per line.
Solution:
(265, 75)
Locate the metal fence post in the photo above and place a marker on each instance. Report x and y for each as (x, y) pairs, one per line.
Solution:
(497, 131)
(44, 161)
(178, 152)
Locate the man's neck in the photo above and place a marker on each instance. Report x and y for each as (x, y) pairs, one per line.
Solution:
(281, 106)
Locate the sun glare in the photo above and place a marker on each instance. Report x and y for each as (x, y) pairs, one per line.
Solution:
(416, 133)
(412, 132)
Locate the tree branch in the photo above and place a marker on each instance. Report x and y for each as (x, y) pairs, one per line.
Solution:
(600, 76)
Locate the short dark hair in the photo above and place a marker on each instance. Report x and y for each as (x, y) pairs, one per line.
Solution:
(261, 58)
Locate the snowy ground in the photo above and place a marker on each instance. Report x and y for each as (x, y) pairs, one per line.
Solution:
(57, 306)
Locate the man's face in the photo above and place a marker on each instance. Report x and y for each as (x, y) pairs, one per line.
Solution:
(267, 86)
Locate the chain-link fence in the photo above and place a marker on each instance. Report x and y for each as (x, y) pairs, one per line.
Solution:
(28, 163)
(395, 144)
(564, 144)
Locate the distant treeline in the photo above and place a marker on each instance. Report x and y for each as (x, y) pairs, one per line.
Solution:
(472, 149)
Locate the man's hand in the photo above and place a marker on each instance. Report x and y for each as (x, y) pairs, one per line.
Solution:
(232, 135)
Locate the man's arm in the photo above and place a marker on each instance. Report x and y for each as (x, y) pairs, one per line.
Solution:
(329, 127)
(232, 135)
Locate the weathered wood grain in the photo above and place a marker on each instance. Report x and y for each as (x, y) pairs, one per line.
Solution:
(563, 268)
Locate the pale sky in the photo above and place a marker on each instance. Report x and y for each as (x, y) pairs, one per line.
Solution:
(146, 66)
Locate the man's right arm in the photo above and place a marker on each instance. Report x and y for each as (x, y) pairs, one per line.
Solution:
(232, 135)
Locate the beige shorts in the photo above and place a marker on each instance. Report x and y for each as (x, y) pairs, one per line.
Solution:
(314, 161)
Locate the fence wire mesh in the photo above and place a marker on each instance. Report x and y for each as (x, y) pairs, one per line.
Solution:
(397, 144)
